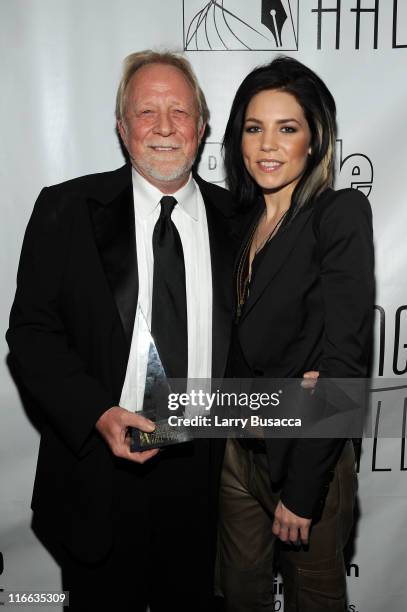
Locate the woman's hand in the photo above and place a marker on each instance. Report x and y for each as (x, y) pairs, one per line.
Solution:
(290, 527)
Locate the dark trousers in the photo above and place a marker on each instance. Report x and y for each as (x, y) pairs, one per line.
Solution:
(314, 576)
(163, 540)
(151, 563)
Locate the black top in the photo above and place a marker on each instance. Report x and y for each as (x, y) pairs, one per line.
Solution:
(237, 366)
(309, 307)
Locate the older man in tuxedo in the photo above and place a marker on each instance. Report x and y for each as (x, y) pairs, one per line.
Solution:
(147, 240)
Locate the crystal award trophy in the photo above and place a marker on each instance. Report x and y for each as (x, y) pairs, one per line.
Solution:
(153, 389)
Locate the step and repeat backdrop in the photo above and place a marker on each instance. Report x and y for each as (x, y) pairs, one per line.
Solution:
(60, 63)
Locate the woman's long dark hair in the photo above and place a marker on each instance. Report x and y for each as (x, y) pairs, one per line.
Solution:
(289, 75)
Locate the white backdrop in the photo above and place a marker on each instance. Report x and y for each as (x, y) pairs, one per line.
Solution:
(59, 67)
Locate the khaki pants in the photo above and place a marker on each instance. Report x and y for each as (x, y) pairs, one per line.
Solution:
(314, 577)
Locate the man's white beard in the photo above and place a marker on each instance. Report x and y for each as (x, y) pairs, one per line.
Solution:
(176, 173)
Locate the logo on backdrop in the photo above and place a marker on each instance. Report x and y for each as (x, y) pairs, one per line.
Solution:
(211, 163)
(361, 23)
(273, 25)
(391, 324)
(355, 170)
(352, 571)
(238, 25)
(389, 395)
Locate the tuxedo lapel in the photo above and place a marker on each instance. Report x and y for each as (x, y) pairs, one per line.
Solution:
(112, 216)
(114, 230)
(278, 251)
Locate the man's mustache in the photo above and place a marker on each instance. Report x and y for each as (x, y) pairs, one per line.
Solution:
(164, 145)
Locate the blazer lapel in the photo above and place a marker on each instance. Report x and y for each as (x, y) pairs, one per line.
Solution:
(248, 223)
(112, 216)
(222, 247)
(277, 254)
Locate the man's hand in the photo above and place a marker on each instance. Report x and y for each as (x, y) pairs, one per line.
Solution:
(113, 427)
(290, 527)
(310, 380)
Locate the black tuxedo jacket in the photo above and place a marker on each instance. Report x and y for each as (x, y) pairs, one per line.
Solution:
(310, 307)
(70, 333)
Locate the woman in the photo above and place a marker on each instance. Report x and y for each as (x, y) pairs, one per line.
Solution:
(304, 287)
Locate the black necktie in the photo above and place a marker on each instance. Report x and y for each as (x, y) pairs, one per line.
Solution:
(169, 308)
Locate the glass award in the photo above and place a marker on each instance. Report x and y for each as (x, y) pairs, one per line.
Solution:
(153, 389)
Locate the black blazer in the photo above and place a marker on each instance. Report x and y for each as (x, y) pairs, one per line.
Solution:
(310, 307)
(70, 333)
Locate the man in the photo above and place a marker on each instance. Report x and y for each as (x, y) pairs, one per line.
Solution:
(100, 252)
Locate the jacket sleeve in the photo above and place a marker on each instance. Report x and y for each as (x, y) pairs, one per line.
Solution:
(47, 365)
(345, 242)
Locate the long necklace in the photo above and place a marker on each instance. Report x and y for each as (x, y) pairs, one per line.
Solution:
(242, 279)
(267, 239)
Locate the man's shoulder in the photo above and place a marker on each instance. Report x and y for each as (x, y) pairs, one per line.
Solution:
(64, 198)
(216, 196)
(100, 184)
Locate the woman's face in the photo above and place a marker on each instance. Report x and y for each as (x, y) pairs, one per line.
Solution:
(276, 141)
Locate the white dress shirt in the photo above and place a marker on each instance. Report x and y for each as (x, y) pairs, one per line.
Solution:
(189, 217)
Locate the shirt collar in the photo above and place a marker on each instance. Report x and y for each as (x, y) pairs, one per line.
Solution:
(147, 197)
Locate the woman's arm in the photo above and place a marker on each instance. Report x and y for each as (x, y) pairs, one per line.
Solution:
(347, 269)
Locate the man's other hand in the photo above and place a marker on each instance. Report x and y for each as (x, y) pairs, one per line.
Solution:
(113, 427)
(310, 380)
